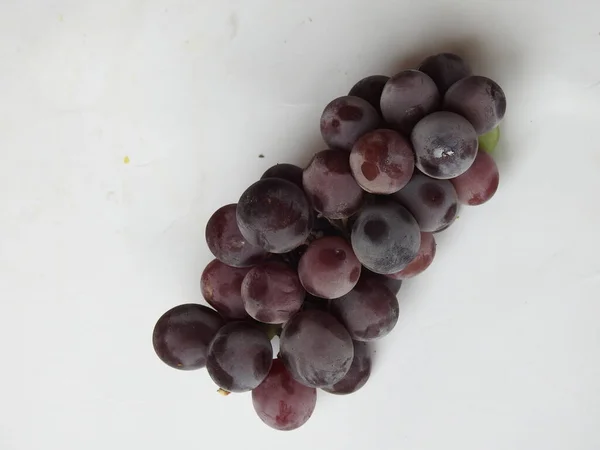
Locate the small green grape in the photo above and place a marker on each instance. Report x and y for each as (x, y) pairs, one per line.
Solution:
(489, 140)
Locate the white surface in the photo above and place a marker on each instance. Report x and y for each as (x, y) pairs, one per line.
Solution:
(498, 346)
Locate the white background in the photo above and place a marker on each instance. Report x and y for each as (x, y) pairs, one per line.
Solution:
(498, 345)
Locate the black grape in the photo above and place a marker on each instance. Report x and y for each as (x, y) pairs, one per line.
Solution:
(370, 89)
(359, 372)
(285, 171)
(221, 287)
(388, 281)
(445, 69)
(346, 119)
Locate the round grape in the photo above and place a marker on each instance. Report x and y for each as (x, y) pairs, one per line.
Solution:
(445, 69)
(478, 184)
(346, 119)
(182, 335)
(285, 171)
(421, 262)
(359, 372)
(329, 268)
(370, 89)
(239, 357)
(221, 287)
(382, 162)
(388, 281)
(274, 214)
(316, 349)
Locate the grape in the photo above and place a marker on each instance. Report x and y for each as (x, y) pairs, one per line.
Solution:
(316, 348)
(445, 69)
(369, 311)
(445, 145)
(239, 357)
(408, 97)
(489, 140)
(480, 100)
(285, 171)
(275, 215)
(359, 372)
(370, 89)
(227, 243)
(385, 237)
(346, 119)
(313, 302)
(222, 288)
(329, 268)
(432, 202)
(478, 184)
(272, 292)
(329, 184)
(281, 402)
(182, 335)
(392, 284)
(382, 162)
(421, 262)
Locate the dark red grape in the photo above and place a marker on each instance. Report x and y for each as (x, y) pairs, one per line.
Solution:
(272, 292)
(445, 145)
(382, 162)
(391, 283)
(274, 214)
(329, 268)
(285, 171)
(316, 349)
(369, 311)
(370, 89)
(239, 357)
(329, 184)
(432, 202)
(346, 119)
(385, 237)
(479, 183)
(222, 288)
(314, 302)
(359, 372)
(479, 99)
(408, 97)
(227, 243)
(182, 335)
(445, 69)
(281, 402)
(421, 262)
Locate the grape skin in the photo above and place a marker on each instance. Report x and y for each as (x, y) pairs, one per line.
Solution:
(274, 214)
(329, 184)
(370, 89)
(445, 145)
(478, 184)
(316, 349)
(281, 402)
(346, 119)
(445, 69)
(480, 100)
(421, 262)
(272, 292)
(359, 372)
(239, 357)
(329, 268)
(182, 335)
(221, 287)
(369, 312)
(382, 161)
(388, 281)
(227, 243)
(289, 172)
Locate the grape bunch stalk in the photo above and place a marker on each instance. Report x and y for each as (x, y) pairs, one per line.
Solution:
(317, 255)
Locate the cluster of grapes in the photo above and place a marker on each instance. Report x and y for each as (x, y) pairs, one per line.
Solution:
(317, 255)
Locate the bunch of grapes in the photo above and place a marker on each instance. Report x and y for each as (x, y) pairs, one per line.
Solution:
(317, 255)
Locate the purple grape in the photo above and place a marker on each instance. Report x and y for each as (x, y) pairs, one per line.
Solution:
(432, 202)
(382, 162)
(316, 349)
(391, 283)
(408, 97)
(329, 184)
(281, 402)
(359, 372)
(445, 145)
(222, 288)
(285, 171)
(329, 268)
(314, 302)
(346, 119)
(369, 311)
(274, 214)
(272, 292)
(479, 183)
(385, 237)
(182, 335)
(370, 89)
(445, 69)
(227, 243)
(421, 262)
(239, 357)
(479, 99)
